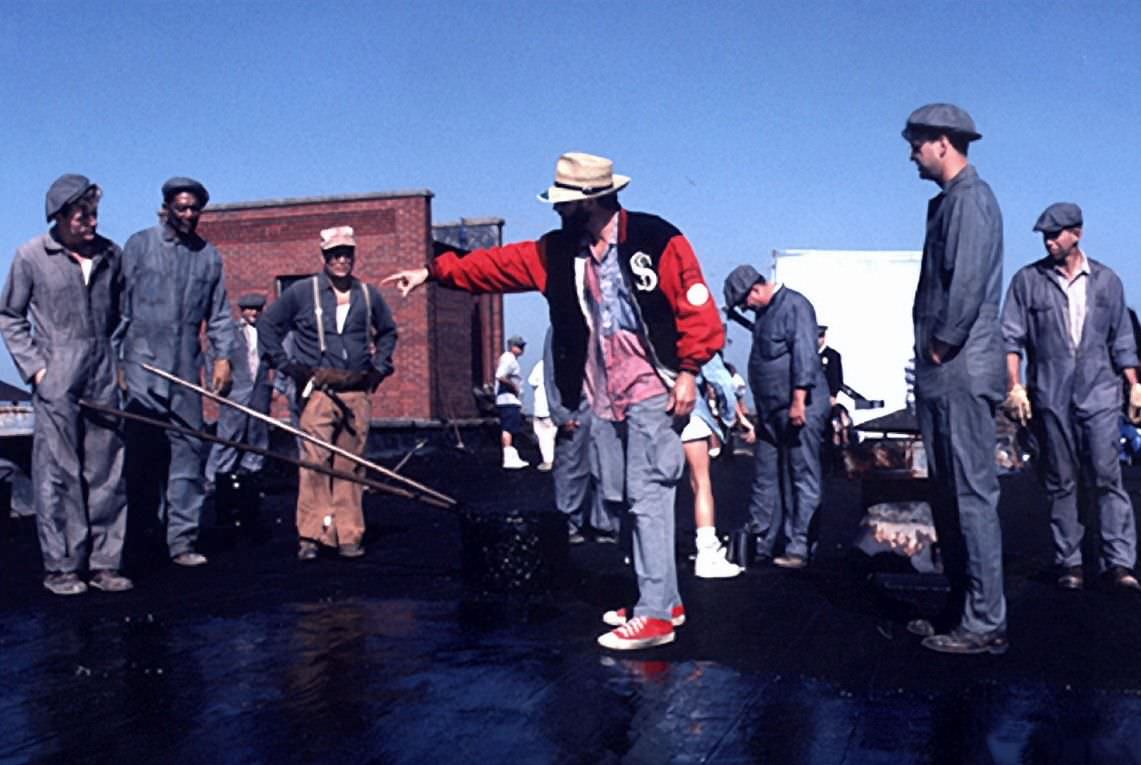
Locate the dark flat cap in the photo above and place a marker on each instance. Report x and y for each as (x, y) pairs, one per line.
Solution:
(1058, 216)
(179, 184)
(516, 340)
(944, 118)
(738, 283)
(63, 191)
(252, 300)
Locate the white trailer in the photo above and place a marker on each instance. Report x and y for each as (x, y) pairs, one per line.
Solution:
(864, 297)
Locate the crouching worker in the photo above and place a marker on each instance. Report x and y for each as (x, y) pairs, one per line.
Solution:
(343, 338)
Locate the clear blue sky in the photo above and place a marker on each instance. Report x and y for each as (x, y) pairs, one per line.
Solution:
(750, 125)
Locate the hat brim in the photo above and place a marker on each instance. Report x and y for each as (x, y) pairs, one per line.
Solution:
(912, 131)
(557, 194)
(338, 241)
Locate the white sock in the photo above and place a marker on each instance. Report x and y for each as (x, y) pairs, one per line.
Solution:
(707, 538)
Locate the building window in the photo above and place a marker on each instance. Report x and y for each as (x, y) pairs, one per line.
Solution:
(285, 281)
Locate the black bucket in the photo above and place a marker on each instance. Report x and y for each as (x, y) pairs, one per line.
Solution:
(742, 548)
(513, 553)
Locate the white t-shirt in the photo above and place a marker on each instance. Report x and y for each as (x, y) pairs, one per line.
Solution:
(508, 369)
(535, 380)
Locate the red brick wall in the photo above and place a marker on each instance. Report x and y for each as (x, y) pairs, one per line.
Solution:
(262, 241)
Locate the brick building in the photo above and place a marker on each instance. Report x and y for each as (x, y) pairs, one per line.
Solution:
(449, 340)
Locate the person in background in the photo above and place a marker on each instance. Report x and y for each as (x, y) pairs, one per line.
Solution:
(545, 429)
(229, 469)
(712, 419)
(791, 395)
(509, 402)
(1067, 313)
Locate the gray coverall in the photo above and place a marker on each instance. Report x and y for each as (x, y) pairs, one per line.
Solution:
(1076, 399)
(254, 391)
(787, 475)
(172, 287)
(51, 320)
(956, 301)
(589, 460)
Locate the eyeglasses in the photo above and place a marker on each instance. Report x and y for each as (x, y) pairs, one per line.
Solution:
(339, 255)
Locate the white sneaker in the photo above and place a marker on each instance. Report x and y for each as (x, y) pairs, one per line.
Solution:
(711, 563)
(512, 460)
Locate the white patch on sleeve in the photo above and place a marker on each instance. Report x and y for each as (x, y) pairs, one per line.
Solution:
(697, 294)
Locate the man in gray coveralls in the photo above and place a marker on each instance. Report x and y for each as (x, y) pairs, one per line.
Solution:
(793, 406)
(58, 312)
(959, 377)
(173, 285)
(1067, 312)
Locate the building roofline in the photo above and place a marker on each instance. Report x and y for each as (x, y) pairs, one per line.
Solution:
(471, 222)
(301, 201)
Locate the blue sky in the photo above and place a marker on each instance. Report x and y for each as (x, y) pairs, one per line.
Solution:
(752, 126)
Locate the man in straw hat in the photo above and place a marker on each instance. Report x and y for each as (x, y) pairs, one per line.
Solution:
(1068, 313)
(959, 377)
(343, 339)
(58, 312)
(632, 322)
(174, 287)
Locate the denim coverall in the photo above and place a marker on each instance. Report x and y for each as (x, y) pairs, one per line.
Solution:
(956, 301)
(173, 286)
(51, 320)
(1075, 395)
(787, 475)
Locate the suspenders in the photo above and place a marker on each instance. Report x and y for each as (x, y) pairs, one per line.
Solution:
(318, 316)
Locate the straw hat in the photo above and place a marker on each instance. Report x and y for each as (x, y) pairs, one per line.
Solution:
(583, 176)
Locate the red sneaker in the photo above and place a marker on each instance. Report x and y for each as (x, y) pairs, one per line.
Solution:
(619, 617)
(639, 632)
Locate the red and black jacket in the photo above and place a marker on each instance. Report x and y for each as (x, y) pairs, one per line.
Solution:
(678, 312)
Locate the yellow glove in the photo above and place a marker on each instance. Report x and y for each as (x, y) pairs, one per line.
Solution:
(1135, 403)
(1017, 405)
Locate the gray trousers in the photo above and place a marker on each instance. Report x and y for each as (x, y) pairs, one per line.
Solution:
(959, 436)
(787, 480)
(80, 495)
(164, 469)
(588, 466)
(654, 465)
(1070, 444)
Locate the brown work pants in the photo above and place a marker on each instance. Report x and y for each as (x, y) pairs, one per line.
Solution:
(321, 495)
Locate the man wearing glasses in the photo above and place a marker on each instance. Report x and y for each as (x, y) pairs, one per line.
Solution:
(343, 338)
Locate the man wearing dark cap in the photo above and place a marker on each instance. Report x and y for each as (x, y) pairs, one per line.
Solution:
(791, 396)
(174, 287)
(959, 377)
(343, 338)
(1067, 313)
(231, 470)
(632, 322)
(58, 312)
(509, 401)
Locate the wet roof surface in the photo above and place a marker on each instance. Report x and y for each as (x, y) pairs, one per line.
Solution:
(391, 658)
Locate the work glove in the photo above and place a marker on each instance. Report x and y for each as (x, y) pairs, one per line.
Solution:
(373, 378)
(220, 380)
(1135, 403)
(1017, 404)
(299, 373)
(333, 379)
